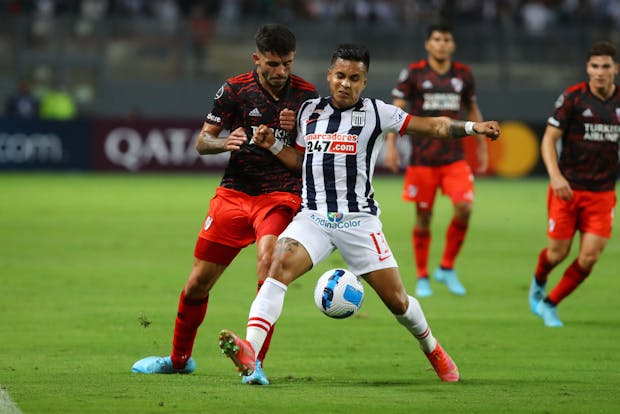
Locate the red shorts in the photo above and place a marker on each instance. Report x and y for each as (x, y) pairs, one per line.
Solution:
(456, 180)
(236, 220)
(588, 212)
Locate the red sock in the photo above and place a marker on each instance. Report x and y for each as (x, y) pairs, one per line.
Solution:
(265, 348)
(190, 315)
(572, 277)
(454, 241)
(543, 268)
(421, 241)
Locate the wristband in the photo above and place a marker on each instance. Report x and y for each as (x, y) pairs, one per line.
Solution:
(469, 128)
(276, 147)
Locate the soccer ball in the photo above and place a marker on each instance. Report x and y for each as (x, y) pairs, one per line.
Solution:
(338, 293)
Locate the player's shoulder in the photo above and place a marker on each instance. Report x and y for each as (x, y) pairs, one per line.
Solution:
(243, 78)
(418, 65)
(578, 88)
(298, 82)
(461, 67)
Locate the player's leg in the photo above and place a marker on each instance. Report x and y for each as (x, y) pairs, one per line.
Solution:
(223, 234)
(562, 225)
(408, 312)
(420, 187)
(191, 310)
(268, 230)
(595, 221)
(291, 259)
(457, 182)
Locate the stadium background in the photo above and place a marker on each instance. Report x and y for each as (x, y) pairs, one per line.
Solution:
(143, 73)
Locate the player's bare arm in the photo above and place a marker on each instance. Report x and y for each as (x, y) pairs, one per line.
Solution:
(208, 141)
(289, 156)
(447, 128)
(475, 115)
(557, 181)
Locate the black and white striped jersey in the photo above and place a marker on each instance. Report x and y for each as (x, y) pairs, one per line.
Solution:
(341, 148)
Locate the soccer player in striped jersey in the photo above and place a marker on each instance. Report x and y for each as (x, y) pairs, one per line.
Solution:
(258, 195)
(438, 86)
(581, 195)
(338, 141)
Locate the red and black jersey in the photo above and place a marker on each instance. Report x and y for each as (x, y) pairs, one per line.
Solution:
(591, 128)
(243, 102)
(432, 94)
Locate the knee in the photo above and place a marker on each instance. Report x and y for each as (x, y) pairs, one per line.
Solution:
(556, 255)
(587, 260)
(462, 211)
(398, 304)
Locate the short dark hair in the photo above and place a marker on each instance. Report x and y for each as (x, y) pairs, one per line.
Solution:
(350, 51)
(603, 48)
(441, 27)
(275, 38)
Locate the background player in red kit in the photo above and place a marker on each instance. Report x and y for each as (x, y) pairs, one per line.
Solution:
(581, 192)
(257, 197)
(438, 86)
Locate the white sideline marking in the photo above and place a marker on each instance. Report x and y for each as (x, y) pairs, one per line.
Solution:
(7, 406)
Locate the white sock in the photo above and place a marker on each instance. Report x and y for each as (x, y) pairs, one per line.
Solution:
(415, 322)
(264, 312)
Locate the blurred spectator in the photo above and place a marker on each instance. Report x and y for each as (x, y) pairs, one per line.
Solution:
(22, 103)
(57, 104)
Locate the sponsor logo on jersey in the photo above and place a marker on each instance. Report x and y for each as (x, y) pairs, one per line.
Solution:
(618, 113)
(587, 113)
(342, 224)
(442, 102)
(601, 132)
(213, 118)
(279, 133)
(335, 217)
(333, 143)
(427, 84)
(255, 112)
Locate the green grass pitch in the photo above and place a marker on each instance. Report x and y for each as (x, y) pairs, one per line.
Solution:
(85, 258)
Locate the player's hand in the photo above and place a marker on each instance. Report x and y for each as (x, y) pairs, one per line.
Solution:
(287, 120)
(488, 128)
(235, 140)
(561, 188)
(263, 137)
(392, 160)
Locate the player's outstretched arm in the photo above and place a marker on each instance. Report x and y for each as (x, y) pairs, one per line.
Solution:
(446, 128)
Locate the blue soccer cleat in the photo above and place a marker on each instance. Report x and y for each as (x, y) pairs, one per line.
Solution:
(423, 288)
(536, 294)
(549, 314)
(257, 377)
(449, 278)
(161, 365)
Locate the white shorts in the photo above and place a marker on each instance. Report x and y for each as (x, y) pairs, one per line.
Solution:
(357, 236)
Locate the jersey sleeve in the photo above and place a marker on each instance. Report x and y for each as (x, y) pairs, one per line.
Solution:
(562, 111)
(403, 88)
(224, 107)
(392, 118)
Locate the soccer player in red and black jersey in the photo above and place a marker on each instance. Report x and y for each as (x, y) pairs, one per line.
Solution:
(581, 195)
(438, 86)
(257, 197)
